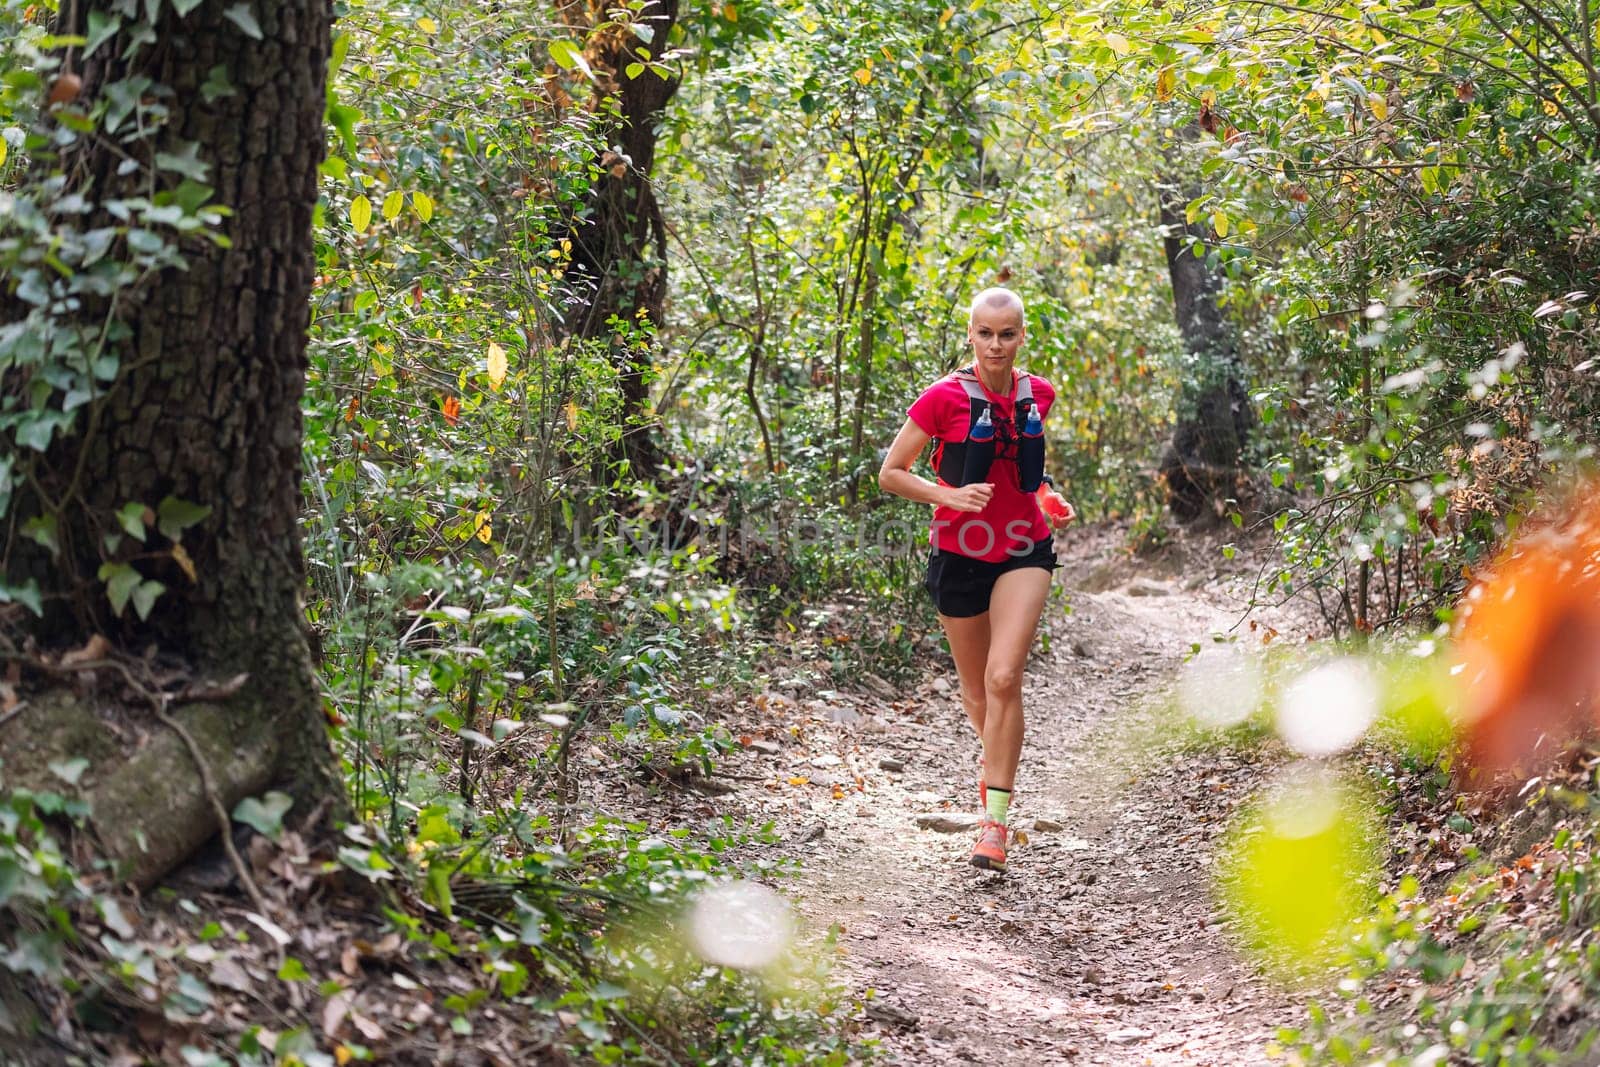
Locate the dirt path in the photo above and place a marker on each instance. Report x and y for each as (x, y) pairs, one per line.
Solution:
(1102, 944)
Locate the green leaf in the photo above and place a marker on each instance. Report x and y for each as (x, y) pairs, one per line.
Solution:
(35, 432)
(241, 16)
(120, 579)
(264, 814)
(188, 163)
(69, 770)
(173, 516)
(217, 84)
(343, 118)
(41, 529)
(568, 56)
(131, 518)
(565, 53)
(361, 214)
(102, 27)
(144, 597)
(27, 594)
(439, 888)
(293, 971)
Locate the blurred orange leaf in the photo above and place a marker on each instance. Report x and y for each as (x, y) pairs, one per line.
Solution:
(1530, 644)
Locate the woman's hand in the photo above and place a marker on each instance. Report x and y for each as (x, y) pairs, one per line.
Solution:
(1060, 521)
(973, 497)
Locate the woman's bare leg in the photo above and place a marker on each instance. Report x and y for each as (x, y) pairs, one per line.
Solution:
(1013, 618)
(969, 644)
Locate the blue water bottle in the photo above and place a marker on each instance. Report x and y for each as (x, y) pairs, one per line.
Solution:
(980, 450)
(1030, 451)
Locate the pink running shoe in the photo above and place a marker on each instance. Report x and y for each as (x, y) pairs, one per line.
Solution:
(990, 852)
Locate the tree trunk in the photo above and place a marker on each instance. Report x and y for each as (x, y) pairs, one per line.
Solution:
(206, 409)
(618, 267)
(1202, 465)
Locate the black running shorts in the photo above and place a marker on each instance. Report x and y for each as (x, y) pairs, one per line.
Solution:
(960, 585)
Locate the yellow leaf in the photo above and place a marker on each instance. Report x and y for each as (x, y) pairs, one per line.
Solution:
(730, 12)
(393, 203)
(1166, 84)
(484, 531)
(181, 557)
(361, 213)
(572, 416)
(1219, 222)
(797, 780)
(944, 19)
(2, 151)
(864, 75)
(497, 366)
(1118, 44)
(422, 204)
(1379, 106)
(427, 25)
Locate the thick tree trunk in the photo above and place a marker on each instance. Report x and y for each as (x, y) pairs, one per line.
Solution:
(618, 269)
(1203, 463)
(206, 408)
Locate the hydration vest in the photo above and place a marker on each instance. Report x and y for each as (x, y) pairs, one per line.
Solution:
(950, 457)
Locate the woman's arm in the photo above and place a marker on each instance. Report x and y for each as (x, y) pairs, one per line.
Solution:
(895, 475)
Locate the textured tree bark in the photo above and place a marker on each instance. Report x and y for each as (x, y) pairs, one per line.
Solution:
(1202, 465)
(618, 268)
(206, 408)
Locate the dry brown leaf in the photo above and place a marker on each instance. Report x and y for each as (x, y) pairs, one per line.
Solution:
(335, 1011)
(97, 647)
(180, 556)
(272, 929)
(369, 1029)
(214, 691)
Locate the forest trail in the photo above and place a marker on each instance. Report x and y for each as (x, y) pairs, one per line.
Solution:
(1102, 945)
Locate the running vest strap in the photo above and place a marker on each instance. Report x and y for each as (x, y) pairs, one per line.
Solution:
(950, 457)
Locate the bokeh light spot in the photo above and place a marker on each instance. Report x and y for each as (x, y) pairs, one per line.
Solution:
(741, 924)
(1298, 867)
(1329, 708)
(1220, 688)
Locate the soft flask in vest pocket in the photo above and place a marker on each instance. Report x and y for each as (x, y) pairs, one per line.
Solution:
(980, 450)
(1030, 451)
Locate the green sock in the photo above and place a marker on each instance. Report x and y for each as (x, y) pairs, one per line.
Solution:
(999, 804)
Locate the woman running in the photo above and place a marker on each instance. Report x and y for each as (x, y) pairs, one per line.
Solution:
(989, 571)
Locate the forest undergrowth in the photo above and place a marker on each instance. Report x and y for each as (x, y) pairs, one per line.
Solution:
(557, 915)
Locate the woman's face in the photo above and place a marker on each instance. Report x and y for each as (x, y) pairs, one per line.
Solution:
(995, 334)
